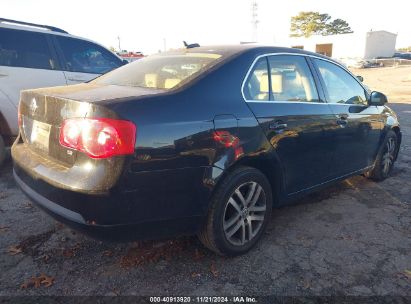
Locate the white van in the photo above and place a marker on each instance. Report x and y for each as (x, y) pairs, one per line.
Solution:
(35, 56)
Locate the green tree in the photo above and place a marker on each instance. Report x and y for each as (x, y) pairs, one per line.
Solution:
(306, 24)
(405, 49)
(338, 26)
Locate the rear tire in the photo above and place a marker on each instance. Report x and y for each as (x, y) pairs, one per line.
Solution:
(3, 151)
(239, 211)
(385, 158)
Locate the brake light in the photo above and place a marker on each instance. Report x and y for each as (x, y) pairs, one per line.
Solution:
(98, 137)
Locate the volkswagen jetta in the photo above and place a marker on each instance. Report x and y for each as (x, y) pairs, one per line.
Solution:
(203, 140)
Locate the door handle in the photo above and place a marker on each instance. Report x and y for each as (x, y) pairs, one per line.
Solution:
(2, 74)
(277, 125)
(342, 122)
(342, 119)
(77, 79)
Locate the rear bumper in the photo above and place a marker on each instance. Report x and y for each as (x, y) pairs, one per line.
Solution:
(117, 232)
(116, 216)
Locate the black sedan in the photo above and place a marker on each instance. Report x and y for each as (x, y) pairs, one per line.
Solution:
(203, 140)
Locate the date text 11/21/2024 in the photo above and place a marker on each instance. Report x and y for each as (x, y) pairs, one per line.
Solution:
(203, 299)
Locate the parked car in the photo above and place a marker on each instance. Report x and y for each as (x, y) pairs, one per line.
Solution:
(361, 63)
(402, 56)
(205, 140)
(34, 56)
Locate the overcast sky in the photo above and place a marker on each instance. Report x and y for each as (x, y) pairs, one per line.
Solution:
(146, 25)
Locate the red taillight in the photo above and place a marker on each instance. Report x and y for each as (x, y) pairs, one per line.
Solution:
(98, 137)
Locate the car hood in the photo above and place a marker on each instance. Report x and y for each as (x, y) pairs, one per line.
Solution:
(97, 93)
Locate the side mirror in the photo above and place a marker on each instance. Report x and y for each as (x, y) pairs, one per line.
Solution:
(125, 61)
(360, 78)
(377, 99)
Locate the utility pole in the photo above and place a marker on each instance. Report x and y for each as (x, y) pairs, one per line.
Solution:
(165, 44)
(119, 47)
(254, 20)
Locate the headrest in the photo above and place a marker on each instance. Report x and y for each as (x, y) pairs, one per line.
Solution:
(170, 83)
(150, 80)
(264, 83)
(277, 83)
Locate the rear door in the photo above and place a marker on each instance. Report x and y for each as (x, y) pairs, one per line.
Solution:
(83, 60)
(27, 61)
(359, 125)
(282, 93)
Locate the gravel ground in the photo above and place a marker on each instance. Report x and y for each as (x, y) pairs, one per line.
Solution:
(350, 239)
(395, 82)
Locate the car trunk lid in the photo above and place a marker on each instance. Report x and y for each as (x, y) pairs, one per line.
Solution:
(42, 112)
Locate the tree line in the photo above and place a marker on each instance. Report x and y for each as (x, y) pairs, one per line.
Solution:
(306, 24)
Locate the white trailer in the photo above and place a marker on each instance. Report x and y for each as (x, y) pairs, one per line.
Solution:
(358, 46)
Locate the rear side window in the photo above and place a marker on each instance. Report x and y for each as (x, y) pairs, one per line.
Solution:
(25, 49)
(86, 57)
(281, 78)
(340, 85)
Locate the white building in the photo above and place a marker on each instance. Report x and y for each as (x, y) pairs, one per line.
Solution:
(349, 46)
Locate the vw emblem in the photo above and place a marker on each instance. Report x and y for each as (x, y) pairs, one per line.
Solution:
(33, 106)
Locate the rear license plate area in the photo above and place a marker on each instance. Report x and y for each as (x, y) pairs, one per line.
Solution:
(40, 135)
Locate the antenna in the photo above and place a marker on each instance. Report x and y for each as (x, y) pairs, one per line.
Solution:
(190, 46)
(119, 46)
(254, 20)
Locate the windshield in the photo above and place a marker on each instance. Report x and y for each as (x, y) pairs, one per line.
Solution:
(160, 71)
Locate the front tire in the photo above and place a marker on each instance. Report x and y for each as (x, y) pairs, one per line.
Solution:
(385, 158)
(239, 212)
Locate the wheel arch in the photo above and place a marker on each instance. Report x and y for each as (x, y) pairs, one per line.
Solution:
(5, 130)
(397, 131)
(264, 164)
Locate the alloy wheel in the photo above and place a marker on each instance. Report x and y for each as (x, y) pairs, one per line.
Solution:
(244, 213)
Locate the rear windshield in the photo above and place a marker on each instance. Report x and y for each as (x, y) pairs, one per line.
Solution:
(161, 71)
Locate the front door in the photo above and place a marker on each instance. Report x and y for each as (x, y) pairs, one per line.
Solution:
(281, 92)
(359, 126)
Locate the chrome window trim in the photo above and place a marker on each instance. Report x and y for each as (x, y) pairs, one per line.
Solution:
(286, 101)
(293, 54)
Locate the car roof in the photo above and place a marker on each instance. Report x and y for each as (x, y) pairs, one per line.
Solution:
(235, 49)
(39, 29)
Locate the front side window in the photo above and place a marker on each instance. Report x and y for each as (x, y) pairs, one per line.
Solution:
(340, 85)
(281, 78)
(25, 49)
(164, 71)
(291, 79)
(86, 57)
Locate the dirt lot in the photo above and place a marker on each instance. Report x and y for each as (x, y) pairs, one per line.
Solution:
(350, 239)
(395, 82)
